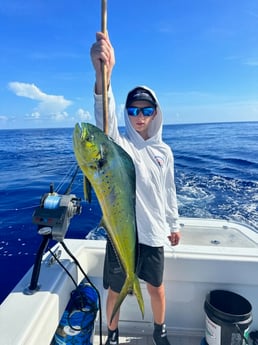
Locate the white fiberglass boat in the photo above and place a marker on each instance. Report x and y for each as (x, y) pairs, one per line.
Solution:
(213, 254)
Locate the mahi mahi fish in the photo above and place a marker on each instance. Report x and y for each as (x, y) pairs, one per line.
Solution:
(111, 173)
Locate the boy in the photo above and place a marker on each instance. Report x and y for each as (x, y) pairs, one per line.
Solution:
(156, 204)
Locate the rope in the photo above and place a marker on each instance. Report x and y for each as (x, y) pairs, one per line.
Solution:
(81, 297)
(241, 333)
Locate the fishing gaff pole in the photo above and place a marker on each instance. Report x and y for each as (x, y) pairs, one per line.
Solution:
(105, 117)
(104, 68)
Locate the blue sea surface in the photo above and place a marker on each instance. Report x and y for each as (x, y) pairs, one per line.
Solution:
(216, 172)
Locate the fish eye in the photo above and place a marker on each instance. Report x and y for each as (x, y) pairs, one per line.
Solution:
(90, 137)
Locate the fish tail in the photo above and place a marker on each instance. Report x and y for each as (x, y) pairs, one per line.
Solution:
(128, 288)
(138, 293)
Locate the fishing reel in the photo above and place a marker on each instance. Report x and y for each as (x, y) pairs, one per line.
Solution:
(55, 212)
(53, 218)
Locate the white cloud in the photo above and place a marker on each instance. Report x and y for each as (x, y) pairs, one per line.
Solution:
(120, 113)
(251, 62)
(61, 116)
(35, 115)
(48, 105)
(83, 115)
(50, 109)
(3, 118)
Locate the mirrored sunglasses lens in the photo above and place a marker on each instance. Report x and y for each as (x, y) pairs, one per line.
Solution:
(133, 111)
(147, 111)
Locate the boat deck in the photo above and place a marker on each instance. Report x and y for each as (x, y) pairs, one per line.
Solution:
(147, 340)
(213, 255)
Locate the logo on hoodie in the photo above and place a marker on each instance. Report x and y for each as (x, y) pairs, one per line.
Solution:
(159, 160)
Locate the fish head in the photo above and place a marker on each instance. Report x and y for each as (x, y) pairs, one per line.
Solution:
(88, 145)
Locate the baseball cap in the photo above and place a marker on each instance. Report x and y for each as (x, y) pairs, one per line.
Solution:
(139, 94)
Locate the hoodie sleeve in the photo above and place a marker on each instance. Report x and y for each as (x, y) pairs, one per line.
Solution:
(172, 217)
(112, 119)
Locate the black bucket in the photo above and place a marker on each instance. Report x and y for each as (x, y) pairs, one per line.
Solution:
(228, 317)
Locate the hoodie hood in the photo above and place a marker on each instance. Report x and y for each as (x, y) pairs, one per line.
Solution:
(155, 128)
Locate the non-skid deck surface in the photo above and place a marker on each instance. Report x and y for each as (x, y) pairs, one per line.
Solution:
(147, 340)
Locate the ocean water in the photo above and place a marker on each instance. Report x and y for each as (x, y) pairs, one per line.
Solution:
(216, 171)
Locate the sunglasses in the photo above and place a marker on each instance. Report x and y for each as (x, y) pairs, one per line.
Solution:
(135, 111)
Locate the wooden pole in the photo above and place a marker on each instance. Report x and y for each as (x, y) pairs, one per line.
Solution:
(104, 69)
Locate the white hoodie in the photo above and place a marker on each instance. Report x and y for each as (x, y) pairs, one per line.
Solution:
(156, 203)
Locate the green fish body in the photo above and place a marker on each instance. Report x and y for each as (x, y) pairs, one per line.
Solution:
(111, 173)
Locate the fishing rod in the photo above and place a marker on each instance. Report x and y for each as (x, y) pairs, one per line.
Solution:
(68, 189)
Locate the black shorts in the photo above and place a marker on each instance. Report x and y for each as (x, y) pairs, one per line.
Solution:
(150, 267)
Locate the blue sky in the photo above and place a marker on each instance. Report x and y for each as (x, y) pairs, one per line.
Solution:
(200, 56)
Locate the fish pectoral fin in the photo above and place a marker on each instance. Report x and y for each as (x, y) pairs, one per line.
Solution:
(102, 223)
(129, 288)
(87, 189)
